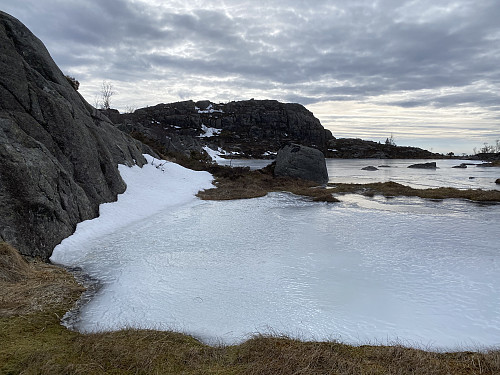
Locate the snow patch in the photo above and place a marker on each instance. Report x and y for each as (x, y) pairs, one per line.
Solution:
(209, 132)
(157, 186)
(210, 109)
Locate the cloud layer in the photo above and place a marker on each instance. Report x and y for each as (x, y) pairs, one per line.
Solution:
(393, 59)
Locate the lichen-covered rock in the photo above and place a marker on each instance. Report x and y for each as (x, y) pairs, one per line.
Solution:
(301, 162)
(58, 154)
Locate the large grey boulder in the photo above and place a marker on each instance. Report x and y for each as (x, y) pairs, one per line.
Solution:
(301, 162)
(58, 154)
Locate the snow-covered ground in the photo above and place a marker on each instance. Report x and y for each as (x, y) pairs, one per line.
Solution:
(365, 270)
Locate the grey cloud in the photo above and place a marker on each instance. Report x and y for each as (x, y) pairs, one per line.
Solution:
(358, 48)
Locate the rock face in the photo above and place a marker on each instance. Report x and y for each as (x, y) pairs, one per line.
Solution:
(431, 165)
(251, 128)
(301, 162)
(353, 148)
(58, 154)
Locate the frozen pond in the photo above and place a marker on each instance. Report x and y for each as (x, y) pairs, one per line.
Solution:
(367, 270)
(350, 171)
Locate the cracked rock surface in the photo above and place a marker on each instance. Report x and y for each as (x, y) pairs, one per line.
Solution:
(58, 154)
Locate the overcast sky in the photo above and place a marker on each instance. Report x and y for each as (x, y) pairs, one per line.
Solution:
(427, 71)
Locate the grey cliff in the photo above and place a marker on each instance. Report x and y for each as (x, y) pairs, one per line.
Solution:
(59, 155)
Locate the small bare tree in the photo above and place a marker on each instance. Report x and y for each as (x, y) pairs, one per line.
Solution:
(106, 94)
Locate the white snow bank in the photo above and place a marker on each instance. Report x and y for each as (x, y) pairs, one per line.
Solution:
(151, 189)
(215, 155)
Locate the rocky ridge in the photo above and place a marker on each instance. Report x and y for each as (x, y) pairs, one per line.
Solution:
(59, 154)
(354, 148)
(250, 128)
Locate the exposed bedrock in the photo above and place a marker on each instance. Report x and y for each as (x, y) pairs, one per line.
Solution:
(59, 155)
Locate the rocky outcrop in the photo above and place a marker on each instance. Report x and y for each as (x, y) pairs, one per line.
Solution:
(369, 168)
(59, 155)
(251, 128)
(431, 165)
(497, 181)
(354, 148)
(301, 162)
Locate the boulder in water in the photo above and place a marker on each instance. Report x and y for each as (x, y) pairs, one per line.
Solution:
(431, 165)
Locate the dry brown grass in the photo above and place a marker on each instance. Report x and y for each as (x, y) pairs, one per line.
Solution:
(393, 189)
(253, 184)
(272, 355)
(34, 342)
(26, 287)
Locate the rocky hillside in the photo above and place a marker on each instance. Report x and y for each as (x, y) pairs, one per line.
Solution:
(353, 148)
(58, 154)
(251, 128)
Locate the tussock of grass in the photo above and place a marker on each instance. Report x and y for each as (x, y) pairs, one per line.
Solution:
(12, 265)
(253, 184)
(27, 287)
(393, 189)
(34, 342)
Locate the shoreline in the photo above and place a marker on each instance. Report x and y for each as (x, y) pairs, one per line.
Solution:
(36, 341)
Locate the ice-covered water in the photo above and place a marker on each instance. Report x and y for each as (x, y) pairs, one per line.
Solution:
(350, 171)
(365, 270)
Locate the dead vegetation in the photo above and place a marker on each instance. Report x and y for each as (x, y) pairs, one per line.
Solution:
(34, 342)
(252, 184)
(393, 189)
(26, 287)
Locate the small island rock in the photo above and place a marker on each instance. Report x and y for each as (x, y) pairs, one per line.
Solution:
(431, 165)
(369, 168)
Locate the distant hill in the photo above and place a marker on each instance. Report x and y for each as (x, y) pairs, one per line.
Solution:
(354, 148)
(248, 129)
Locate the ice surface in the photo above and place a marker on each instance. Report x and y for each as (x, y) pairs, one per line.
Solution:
(472, 177)
(365, 270)
(349, 171)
